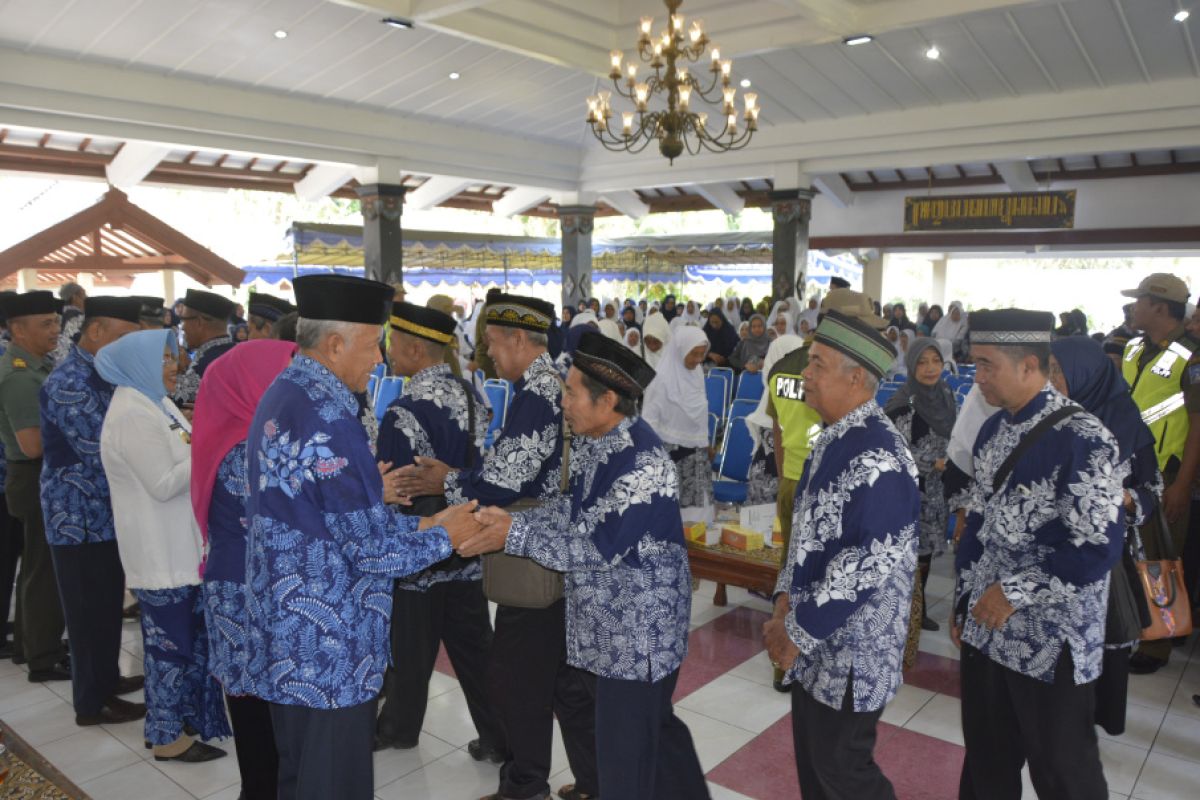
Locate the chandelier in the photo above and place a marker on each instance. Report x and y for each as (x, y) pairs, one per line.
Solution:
(677, 127)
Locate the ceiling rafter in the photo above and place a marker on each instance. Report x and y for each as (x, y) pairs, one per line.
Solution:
(863, 73)
(1041, 65)
(907, 73)
(1137, 51)
(946, 67)
(1087, 58)
(1000, 76)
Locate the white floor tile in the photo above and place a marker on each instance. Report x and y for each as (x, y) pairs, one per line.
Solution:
(715, 740)
(739, 702)
(941, 718)
(229, 793)
(132, 735)
(719, 792)
(391, 765)
(757, 668)
(456, 775)
(440, 683)
(907, 702)
(17, 692)
(1122, 763)
(42, 723)
(1179, 736)
(201, 780)
(447, 718)
(140, 781)
(1167, 777)
(1141, 726)
(88, 754)
(1153, 691)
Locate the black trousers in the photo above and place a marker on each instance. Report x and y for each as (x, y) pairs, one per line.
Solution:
(325, 753)
(530, 683)
(1009, 719)
(11, 536)
(41, 617)
(835, 757)
(91, 585)
(454, 613)
(254, 739)
(644, 751)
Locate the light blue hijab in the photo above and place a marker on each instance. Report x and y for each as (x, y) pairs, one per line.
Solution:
(136, 360)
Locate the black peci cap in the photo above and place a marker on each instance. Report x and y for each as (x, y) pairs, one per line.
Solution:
(343, 298)
(613, 364)
(125, 308)
(269, 307)
(209, 303)
(29, 303)
(425, 323)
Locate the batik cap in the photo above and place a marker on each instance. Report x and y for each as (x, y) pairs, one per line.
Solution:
(1010, 326)
(518, 311)
(613, 364)
(424, 323)
(857, 339)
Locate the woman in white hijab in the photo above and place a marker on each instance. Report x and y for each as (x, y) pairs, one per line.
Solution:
(610, 329)
(780, 325)
(584, 318)
(691, 314)
(676, 407)
(764, 477)
(656, 333)
(782, 307)
(732, 311)
(633, 340)
(953, 326)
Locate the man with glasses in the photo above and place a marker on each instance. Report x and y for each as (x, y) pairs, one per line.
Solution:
(204, 321)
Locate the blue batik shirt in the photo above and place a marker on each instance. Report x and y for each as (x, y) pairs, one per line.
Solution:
(849, 572)
(225, 574)
(432, 419)
(526, 458)
(189, 382)
(322, 548)
(74, 490)
(618, 536)
(1050, 536)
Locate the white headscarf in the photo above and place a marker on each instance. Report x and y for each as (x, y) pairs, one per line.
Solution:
(947, 328)
(676, 405)
(810, 314)
(733, 311)
(787, 331)
(974, 412)
(583, 318)
(697, 317)
(610, 329)
(635, 346)
(657, 326)
(759, 421)
(779, 308)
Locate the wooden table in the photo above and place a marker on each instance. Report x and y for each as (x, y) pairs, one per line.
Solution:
(755, 569)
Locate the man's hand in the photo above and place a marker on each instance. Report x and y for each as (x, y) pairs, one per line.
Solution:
(993, 608)
(459, 522)
(955, 631)
(1175, 500)
(780, 647)
(388, 474)
(425, 476)
(940, 465)
(493, 532)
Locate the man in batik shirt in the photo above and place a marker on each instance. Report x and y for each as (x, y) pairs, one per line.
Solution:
(529, 679)
(79, 516)
(323, 548)
(843, 599)
(618, 537)
(438, 416)
(204, 321)
(1042, 533)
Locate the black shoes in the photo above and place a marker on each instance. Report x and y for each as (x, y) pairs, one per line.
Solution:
(129, 684)
(929, 625)
(113, 712)
(484, 752)
(46, 675)
(389, 742)
(783, 688)
(198, 753)
(1142, 664)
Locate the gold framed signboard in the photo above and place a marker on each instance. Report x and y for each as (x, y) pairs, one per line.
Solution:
(979, 212)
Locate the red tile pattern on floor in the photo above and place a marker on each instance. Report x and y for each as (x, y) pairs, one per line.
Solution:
(935, 673)
(718, 646)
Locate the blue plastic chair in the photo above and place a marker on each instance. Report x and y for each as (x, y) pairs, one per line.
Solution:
(390, 388)
(379, 370)
(727, 374)
(750, 386)
(717, 391)
(713, 422)
(372, 387)
(884, 394)
(742, 407)
(737, 453)
(497, 392)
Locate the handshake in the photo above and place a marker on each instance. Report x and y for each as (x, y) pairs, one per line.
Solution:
(473, 530)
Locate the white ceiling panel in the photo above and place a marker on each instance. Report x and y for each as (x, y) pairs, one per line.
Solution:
(832, 62)
(1051, 41)
(1159, 38)
(1104, 39)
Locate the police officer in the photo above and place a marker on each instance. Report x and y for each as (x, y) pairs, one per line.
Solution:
(1162, 368)
(34, 326)
(205, 321)
(79, 517)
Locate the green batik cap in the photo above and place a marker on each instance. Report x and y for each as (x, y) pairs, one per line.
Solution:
(858, 340)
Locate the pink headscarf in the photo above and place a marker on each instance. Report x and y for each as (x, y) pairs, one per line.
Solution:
(225, 406)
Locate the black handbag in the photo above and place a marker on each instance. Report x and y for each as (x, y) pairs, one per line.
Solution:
(1128, 612)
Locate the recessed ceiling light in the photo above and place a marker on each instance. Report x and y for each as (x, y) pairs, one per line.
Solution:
(933, 54)
(1182, 16)
(745, 83)
(862, 38)
(397, 22)
(281, 34)
(454, 76)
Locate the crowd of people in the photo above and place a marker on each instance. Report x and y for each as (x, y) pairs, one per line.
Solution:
(297, 564)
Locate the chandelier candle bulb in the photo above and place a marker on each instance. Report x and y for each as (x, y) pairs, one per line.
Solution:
(641, 93)
(751, 101)
(685, 96)
(726, 70)
(627, 122)
(647, 25)
(716, 58)
(730, 92)
(617, 57)
(703, 122)
(697, 31)
(732, 124)
(677, 23)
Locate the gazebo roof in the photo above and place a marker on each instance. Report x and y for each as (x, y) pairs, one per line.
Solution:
(115, 240)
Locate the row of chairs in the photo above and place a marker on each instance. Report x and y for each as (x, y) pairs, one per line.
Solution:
(722, 387)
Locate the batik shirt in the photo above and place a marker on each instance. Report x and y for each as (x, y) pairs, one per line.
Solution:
(618, 536)
(322, 548)
(74, 490)
(850, 567)
(526, 457)
(189, 382)
(68, 337)
(225, 573)
(432, 419)
(1049, 537)
(927, 446)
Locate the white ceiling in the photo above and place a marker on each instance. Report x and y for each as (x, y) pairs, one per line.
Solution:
(526, 66)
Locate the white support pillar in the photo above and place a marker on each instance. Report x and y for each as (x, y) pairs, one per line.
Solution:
(873, 269)
(27, 280)
(937, 295)
(168, 287)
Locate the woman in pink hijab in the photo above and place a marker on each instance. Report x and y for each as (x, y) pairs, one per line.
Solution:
(225, 405)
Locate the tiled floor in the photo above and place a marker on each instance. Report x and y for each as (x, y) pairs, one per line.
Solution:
(741, 726)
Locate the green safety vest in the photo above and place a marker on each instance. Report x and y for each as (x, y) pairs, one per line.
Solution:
(1157, 394)
(798, 421)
